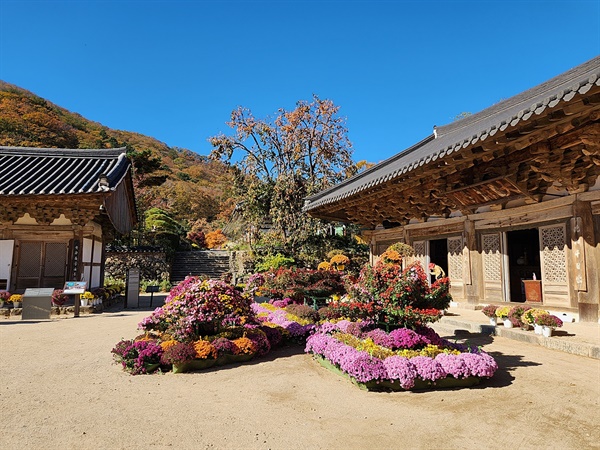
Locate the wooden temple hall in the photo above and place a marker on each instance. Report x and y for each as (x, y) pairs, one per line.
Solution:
(58, 208)
(496, 199)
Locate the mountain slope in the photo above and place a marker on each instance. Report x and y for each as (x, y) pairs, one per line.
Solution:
(188, 185)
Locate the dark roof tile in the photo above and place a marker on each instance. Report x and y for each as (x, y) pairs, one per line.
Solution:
(48, 171)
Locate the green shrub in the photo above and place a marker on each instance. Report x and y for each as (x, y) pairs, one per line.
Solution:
(274, 262)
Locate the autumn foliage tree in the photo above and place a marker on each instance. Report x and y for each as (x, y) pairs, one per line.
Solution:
(279, 162)
(215, 239)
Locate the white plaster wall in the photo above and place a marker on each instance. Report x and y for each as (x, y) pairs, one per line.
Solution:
(97, 251)
(95, 277)
(62, 220)
(26, 220)
(86, 254)
(6, 254)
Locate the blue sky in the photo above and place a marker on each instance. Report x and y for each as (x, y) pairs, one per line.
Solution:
(175, 70)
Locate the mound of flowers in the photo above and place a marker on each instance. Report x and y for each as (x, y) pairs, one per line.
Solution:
(205, 323)
(400, 360)
(392, 296)
(197, 307)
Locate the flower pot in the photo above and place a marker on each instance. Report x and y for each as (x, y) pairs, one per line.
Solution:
(507, 323)
(151, 367)
(493, 321)
(537, 328)
(1, 304)
(244, 357)
(83, 301)
(547, 331)
(194, 364)
(16, 304)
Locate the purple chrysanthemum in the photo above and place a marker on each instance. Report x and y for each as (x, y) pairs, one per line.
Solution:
(405, 338)
(402, 370)
(380, 337)
(428, 368)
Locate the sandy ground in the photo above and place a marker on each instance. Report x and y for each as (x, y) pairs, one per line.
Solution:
(60, 390)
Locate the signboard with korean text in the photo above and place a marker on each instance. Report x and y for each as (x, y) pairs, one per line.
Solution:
(75, 287)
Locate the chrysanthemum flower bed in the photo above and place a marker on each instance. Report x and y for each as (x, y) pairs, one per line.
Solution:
(296, 327)
(400, 360)
(206, 323)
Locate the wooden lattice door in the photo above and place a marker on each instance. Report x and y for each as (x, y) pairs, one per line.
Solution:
(553, 252)
(41, 264)
(420, 248)
(29, 265)
(456, 265)
(491, 245)
(55, 264)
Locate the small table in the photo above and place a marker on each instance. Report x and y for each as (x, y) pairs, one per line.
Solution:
(533, 290)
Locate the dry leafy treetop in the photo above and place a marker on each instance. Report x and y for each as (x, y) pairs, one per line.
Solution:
(282, 161)
(187, 185)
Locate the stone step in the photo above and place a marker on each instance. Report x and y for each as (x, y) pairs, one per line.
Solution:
(209, 263)
(458, 328)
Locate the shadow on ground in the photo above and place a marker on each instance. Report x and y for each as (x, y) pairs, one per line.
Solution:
(506, 363)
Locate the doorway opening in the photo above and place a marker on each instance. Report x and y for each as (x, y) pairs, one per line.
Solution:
(438, 254)
(40, 265)
(523, 247)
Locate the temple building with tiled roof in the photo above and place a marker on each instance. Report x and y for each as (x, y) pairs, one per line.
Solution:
(58, 208)
(496, 199)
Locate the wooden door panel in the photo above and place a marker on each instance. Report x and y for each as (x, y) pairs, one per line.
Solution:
(553, 257)
(492, 267)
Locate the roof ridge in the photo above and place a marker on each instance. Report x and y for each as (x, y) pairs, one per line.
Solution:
(70, 152)
(375, 167)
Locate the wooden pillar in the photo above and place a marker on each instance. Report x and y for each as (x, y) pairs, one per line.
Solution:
(585, 260)
(473, 287)
(78, 236)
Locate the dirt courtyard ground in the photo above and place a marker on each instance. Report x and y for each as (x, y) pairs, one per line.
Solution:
(60, 390)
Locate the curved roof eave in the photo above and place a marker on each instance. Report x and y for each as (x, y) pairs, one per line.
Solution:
(466, 132)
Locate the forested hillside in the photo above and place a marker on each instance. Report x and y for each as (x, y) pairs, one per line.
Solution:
(187, 185)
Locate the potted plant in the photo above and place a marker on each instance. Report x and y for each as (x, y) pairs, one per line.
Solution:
(529, 318)
(502, 314)
(86, 297)
(515, 316)
(138, 357)
(16, 300)
(4, 296)
(548, 322)
(180, 355)
(58, 298)
(490, 312)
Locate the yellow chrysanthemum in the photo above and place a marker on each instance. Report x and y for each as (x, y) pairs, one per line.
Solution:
(338, 260)
(168, 344)
(324, 266)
